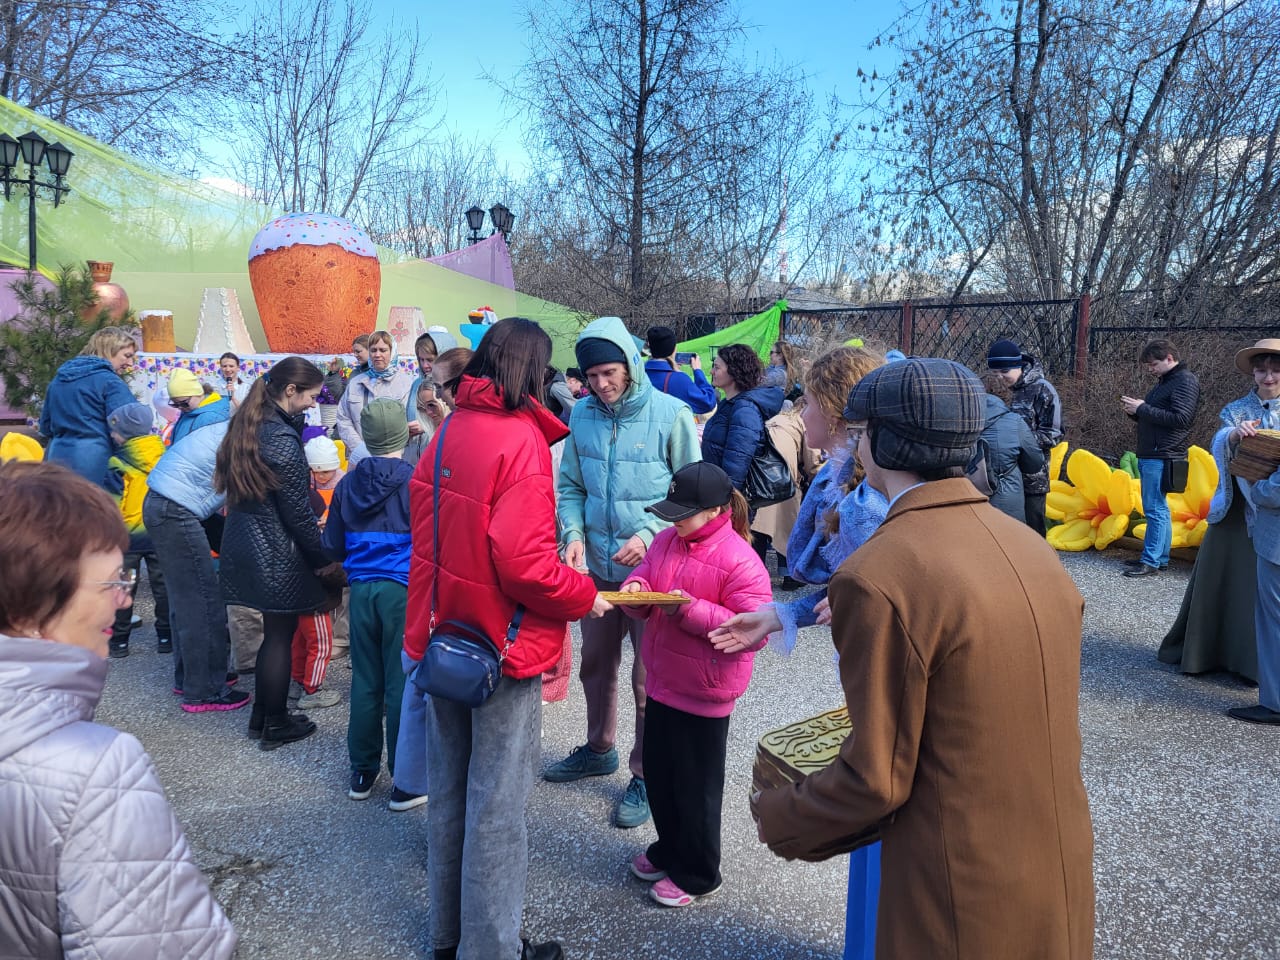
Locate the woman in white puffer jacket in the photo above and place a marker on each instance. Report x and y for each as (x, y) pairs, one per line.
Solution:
(93, 862)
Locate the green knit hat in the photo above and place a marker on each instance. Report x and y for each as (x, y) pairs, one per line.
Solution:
(384, 426)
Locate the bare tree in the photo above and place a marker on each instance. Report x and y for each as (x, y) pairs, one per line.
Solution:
(1050, 150)
(140, 75)
(323, 103)
(668, 155)
(417, 204)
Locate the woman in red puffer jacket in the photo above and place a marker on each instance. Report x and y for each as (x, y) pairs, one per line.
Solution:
(497, 539)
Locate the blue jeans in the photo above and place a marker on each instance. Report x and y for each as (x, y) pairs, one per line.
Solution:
(1155, 546)
(411, 739)
(201, 644)
(481, 765)
(1266, 616)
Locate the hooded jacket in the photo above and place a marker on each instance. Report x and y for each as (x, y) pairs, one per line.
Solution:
(185, 472)
(83, 392)
(136, 459)
(619, 459)
(368, 528)
(496, 532)
(213, 409)
(1013, 452)
(1036, 402)
(271, 549)
(695, 391)
(93, 863)
(732, 435)
(725, 577)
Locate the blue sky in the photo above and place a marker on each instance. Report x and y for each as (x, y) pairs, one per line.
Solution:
(828, 38)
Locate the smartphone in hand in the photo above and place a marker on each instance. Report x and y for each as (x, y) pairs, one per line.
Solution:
(685, 357)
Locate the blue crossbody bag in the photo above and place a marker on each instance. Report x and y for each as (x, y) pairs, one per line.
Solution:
(461, 663)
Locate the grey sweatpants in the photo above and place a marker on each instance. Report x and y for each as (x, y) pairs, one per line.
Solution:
(601, 657)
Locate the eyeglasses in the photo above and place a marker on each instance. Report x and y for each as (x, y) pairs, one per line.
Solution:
(181, 403)
(123, 586)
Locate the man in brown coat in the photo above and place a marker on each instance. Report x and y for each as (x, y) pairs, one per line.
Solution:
(959, 640)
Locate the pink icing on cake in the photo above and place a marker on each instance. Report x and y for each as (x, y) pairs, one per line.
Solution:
(312, 229)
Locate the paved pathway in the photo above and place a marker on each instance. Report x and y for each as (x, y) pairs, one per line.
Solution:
(1186, 807)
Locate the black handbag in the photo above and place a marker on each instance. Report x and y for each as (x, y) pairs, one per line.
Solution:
(461, 663)
(769, 479)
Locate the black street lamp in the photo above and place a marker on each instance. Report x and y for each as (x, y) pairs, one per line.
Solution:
(34, 150)
(502, 220)
(475, 220)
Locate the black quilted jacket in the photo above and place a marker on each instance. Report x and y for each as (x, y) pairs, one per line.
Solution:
(271, 550)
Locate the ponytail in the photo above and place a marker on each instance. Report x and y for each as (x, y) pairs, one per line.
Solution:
(741, 512)
(239, 470)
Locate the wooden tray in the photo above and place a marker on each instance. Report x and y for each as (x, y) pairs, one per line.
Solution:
(1257, 457)
(644, 598)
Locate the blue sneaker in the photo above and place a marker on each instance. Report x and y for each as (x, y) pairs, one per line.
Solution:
(633, 809)
(583, 762)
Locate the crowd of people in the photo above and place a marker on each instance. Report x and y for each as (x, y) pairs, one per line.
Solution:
(558, 495)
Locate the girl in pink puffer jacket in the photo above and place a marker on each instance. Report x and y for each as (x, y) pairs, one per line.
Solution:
(690, 686)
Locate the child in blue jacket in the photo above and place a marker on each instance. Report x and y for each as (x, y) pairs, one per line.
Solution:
(368, 530)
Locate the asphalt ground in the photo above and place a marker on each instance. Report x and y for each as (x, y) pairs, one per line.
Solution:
(1185, 802)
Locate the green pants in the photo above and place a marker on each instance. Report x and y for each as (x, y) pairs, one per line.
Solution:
(377, 679)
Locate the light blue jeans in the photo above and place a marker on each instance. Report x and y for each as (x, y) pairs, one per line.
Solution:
(411, 740)
(481, 765)
(1155, 546)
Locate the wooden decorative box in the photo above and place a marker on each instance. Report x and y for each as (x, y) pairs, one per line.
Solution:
(1257, 457)
(789, 754)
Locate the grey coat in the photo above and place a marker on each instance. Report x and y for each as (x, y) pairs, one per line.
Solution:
(93, 863)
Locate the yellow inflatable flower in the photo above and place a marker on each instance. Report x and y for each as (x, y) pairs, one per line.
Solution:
(1056, 456)
(1189, 510)
(1094, 507)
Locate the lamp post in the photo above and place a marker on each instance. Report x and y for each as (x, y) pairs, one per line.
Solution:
(475, 220)
(34, 149)
(502, 221)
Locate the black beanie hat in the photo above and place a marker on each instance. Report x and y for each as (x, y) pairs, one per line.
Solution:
(593, 351)
(662, 342)
(1004, 355)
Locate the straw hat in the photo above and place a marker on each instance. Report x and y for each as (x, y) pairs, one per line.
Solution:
(1244, 358)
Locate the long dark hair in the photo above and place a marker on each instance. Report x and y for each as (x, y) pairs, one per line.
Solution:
(513, 355)
(239, 471)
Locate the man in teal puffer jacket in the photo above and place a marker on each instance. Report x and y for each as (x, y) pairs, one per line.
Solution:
(625, 442)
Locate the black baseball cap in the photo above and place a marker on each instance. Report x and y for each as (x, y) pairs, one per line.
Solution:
(698, 486)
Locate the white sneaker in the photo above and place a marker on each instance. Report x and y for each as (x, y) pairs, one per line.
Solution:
(319, 700)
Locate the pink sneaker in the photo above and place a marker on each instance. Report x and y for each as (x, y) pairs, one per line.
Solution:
(642, 867)
(669, 895)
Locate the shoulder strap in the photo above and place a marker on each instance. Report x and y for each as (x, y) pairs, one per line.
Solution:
(435, 523)
(513, 628)
(667, 382)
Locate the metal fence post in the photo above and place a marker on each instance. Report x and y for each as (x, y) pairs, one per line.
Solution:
(1082, 336)
(906, 328)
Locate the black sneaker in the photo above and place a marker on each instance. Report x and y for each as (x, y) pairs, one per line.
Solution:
(362, 785)
(117, 650)
(403, 800)
(164, 645)
(286, 729)
(541, 951)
